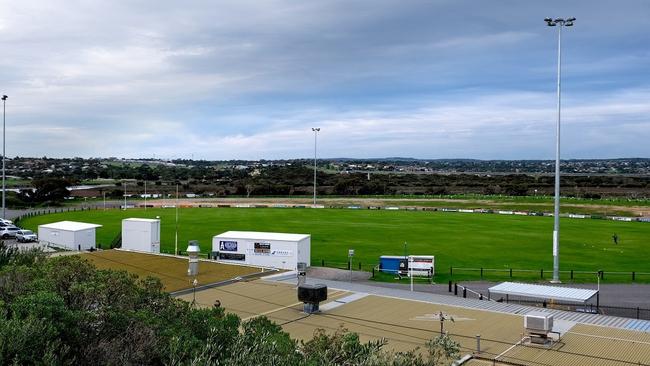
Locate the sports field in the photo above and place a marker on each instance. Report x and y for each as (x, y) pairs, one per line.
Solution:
(456, 239)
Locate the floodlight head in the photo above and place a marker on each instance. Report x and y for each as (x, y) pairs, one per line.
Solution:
(559, 20)
(569, 24)
(315, 129)
(4, 97)
(571, 19)
(548, 19)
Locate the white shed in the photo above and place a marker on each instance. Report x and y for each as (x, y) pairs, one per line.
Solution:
(141, 234)
(276, 250)
(68, 234)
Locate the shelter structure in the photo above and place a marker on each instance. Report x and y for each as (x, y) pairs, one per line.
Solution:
(544, 292)
(141, 234)
(71, 235)
(275, 250)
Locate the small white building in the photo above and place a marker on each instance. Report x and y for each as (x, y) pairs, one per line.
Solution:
(141, 234)
(276, 250)
(68, 234)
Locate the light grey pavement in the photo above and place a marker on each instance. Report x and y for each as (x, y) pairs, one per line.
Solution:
(625, 295)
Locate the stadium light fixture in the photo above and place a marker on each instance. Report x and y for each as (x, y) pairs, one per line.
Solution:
(561, 23)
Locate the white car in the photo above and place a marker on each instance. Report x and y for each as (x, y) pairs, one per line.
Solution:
(8, 232)
(24, 236)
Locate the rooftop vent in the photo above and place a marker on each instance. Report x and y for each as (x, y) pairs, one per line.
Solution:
(312, 295)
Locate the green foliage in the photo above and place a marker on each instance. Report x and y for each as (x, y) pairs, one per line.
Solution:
(340, 348)
(51, 190)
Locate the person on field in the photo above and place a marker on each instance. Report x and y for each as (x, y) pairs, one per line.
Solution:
(615, 238)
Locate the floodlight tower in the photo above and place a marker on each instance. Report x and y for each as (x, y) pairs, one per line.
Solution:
(560, 23)
(4, 140)
(316, 130)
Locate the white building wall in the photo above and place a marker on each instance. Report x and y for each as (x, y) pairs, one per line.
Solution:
(270, 253)
(84, 239)
(141, 235)
(68, 239)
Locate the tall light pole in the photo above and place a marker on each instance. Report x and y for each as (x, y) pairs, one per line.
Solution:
(4, 113)
(560, 23)
(315, 129)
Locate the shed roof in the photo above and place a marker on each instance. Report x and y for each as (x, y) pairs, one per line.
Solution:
(141, 220)
(69, 226)
(543, 291)
(259, 235)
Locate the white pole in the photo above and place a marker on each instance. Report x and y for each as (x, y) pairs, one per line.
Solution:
(125, 195)
(4, 141)
(556, 215)
(560, 23)
(411, 271)
(315, 145)
(145, 195)
(104, 194)
(176, 234)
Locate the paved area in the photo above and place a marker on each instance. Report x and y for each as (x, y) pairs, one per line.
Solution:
(407, 323)
(585, 318)
(171, 270)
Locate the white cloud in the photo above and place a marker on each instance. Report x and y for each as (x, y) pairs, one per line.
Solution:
(247, 79)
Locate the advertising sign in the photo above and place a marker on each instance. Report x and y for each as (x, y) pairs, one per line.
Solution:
(228, 245)
(262, 248)
(419, 266)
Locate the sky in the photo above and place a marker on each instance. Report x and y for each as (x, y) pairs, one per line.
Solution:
(242, 79)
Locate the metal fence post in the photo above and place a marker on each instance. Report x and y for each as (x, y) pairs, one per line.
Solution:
(449, 286)
(455, 289)
(465, 292)
(510, 272)
(478, 343)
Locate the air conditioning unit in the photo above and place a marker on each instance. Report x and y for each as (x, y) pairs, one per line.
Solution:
(538, 322)
(312, 295)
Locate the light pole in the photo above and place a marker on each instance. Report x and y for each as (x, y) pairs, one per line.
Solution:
(561, 23)
(315, 129)
(4, 140)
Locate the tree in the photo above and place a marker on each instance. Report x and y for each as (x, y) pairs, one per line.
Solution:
(50, 190)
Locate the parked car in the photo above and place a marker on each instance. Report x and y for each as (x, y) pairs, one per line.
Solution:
(6, 222)
(25, 236)
(8, 232)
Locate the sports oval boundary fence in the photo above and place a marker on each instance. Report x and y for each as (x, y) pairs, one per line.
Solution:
(512, 273)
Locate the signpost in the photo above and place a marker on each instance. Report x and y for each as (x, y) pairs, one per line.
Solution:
(350, 255)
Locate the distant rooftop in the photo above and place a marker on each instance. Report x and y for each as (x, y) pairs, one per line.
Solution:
(70, 226)
(259, 235)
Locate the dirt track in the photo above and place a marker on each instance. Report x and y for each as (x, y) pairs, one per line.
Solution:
(410, 202)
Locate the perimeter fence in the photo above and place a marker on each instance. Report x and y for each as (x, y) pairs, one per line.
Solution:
(542, 274)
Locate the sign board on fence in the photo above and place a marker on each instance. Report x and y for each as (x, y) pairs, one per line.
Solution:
(421, 265)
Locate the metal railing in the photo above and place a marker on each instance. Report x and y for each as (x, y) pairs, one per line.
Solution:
(484, 273)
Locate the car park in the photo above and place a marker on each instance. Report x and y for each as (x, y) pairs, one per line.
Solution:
(25, 236)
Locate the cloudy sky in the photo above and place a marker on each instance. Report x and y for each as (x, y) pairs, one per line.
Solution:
(248, 79)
